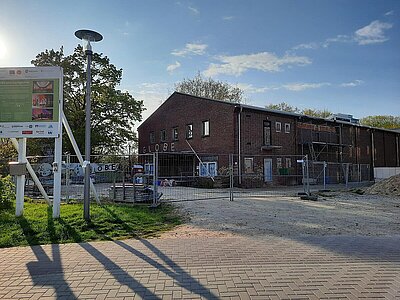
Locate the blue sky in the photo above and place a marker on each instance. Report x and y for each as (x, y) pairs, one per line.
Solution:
(343, 56)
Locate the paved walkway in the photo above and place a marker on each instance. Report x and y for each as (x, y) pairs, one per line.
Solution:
(206, 268)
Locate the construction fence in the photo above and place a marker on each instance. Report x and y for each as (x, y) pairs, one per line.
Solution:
(170, 177)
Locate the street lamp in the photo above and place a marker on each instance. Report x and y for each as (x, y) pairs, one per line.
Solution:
(87, 36)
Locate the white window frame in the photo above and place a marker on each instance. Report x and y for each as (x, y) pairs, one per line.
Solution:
(208, 169)
(287, 127)
(267, 133)
(278, 126)
(288, 162)
(189, 131)
(175, 133)
(163, 135)
(248, 165)
(279, 163)
(206, 128)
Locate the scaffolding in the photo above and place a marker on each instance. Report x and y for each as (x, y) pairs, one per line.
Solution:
(324, 144)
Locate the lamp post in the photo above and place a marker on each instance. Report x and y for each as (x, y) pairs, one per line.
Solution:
(87, 36)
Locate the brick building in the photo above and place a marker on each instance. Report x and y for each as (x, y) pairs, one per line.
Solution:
(260, 137)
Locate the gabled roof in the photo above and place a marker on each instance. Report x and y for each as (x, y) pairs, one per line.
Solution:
(256, 108)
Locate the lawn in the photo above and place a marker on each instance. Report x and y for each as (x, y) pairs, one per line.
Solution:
(108, 222)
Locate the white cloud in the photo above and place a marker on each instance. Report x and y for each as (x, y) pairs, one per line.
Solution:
(389, 13)
(312, 45)
(173, 67)
(249, 88)
(372, 33)
(228, 18)
(297, 87)
(190, 49)
(153, 86)
(194, 10)
(152, 94)
(264, 61)
(353, 83)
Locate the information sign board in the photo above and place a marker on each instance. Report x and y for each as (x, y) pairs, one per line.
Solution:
(30, 102)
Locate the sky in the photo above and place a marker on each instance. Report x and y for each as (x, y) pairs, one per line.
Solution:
(338, 55)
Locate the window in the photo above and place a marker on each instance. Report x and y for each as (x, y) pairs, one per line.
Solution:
(267, 133)
(175, 133)
(163, 135)
(208, 169)
(248, 165)
(206, 128)
(189, 131)
(288, 162)
(287, 127)
(278, 126)
(148, 169)
(152, 137)
(279, 163)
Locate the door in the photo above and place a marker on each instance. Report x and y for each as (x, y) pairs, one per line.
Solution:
(267, 169)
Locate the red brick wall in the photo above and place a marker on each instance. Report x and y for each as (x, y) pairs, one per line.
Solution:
(180, 110)
(252, 133)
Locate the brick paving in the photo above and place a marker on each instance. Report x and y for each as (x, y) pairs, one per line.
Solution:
(333, 267)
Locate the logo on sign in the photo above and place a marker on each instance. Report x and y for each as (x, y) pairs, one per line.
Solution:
(27, 132)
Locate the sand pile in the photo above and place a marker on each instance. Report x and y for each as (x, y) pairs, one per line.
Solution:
(389, 186)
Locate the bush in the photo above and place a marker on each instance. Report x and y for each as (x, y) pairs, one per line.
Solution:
(7, 191)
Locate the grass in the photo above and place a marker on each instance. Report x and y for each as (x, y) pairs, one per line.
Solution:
(108, 222)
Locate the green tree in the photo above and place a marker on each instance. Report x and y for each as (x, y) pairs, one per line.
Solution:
(316, 113)
(388, 122)
(283, 106)
(113, 111)
(210, 88)
(7, 154)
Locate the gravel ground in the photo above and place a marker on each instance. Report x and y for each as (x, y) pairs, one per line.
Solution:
(334, 213)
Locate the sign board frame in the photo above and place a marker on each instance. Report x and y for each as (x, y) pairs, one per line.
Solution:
(31, 107)
(31, 102)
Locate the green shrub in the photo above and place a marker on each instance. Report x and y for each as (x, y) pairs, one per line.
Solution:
(7, 191)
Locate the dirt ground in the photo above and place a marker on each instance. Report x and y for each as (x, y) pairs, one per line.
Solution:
(334, 213)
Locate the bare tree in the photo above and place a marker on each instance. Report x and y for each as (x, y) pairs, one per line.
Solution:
(210, 88)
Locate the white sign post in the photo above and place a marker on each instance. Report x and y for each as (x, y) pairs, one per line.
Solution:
(30, 107)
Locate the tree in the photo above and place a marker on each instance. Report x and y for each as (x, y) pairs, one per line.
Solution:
(388, 122)
(113, 111)
(283, 106)
(210, 88)
(7, 153)
(316, 113)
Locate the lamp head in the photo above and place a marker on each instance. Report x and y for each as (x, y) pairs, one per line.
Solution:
(88, 36)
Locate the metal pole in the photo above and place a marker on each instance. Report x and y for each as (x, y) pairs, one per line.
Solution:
(67, 175)
(324, 175)
(86, 201)
(19, 205)
(231, 177)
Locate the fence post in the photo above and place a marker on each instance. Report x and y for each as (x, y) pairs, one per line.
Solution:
(155, 178)
(230, 177)
(114, 187)
(307, 178)
(324, 175)
(123, 182)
